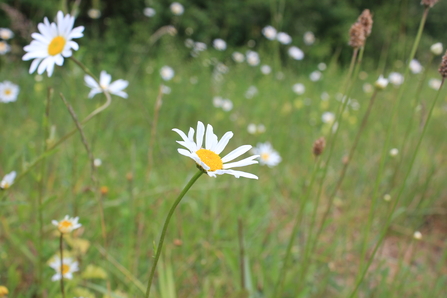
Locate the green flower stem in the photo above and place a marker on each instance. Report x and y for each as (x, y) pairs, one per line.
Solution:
(165, 227)
(62, 260)
(388, 138)
(299, 216)
(401, 190)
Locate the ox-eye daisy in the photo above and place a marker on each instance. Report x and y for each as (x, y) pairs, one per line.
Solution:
(105, 85)
(8, 91)
(8, 180)
(208, 158)
(53, 43)
(64, 269)
(67, 225)
(267, 155)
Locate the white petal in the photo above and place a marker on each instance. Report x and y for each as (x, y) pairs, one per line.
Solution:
(199, 135)
(93, 92)
(34, 65)
(118, 86)
(59, 60)
(222, 143)
(90, 82)
(210, 138)
(105, 79)
(242, 163)
(184, 152)
(120, 94)
(236, 153)
(237, 174)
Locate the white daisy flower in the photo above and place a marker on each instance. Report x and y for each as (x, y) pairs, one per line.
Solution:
(295, 53)
(8, 180)
(208, 158)
(52, 44)
(217, 101)
(251, 91)
(309, 38)
(394, 152)
(322, 66)
(4, 47)
(299, 88)
(219, 44)
(253, 58)
(149, 12)
(415, 66)
(267, 155)
(434, 84)
(238, 57)
(94, 13)
(8, 91)
(315, 76)
(67, 225)
(199, 46)
(328, 117)
(6, 33)
(381, 83)
(437, 49)
(396, 78)
(284, 38)
(64, 269)
(266, 69)
(251, 128)
(227, 105)
(367, 88)
(97, 162)
(167, 73)
(115, 88)
(165, 89)
(177, 8)
(269, 32)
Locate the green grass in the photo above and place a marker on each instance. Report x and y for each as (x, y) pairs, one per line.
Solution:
(206, 261)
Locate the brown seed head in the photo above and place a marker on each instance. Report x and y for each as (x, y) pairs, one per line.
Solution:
(429, 3)
(319, 146)
(443, 66)
(357, 35)
(367, 21)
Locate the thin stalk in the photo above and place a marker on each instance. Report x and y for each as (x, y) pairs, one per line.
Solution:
(62, 264)
(401, 190)
(388, 138)
(241, 252)
(157, 107)
(299, 216)
(165, 227)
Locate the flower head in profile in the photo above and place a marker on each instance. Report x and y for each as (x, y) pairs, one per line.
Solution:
(52, 44)
(284, 38)
(115, 88)
(295, 53)
(219, 44)
(299, 88)
(8, 91)
(8, 180)
(309, 38)
(149, 12)
(238, 57)
(207, 157)
(167, 73)
(396, 78)
(437, 49)
(6, 33)
(253, 58)
(269, 32)
(267, 155)
(177, 9)
(4, 47)
(64, 269)
(415, 66)
(67, 225)
(381, 83)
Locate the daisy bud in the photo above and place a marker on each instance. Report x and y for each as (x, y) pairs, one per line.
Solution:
(319, 146)
(443, 67)
(381, 83)
(357, 35)
(417, 235)
(437, 49)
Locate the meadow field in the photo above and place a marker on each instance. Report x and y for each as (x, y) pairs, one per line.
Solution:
(349, 200)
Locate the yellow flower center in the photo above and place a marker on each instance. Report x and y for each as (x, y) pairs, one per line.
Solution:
(8, 92)
(3, 291)
(265, 156)
(5, 185)
(211, 159)
(65, 269)
(56, 46)
(65, 225)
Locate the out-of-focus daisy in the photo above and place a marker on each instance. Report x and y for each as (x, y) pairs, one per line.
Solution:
(296, 53)
(64, 269)
(97, 162)
(284, 38)
(67, 225)
(322, 66)
(4, 47)
(165, 89)
(189, 43)
(299, 88)
(52, 44)
(8, 180)
(6, 33)
(394, 152)
(269, 32)
(222, 68)
(266, 69)
(3, 291)
(219, 44)
(167, 73)
(217, 101)
(252, 58)
(238, 57)
(8, 91)
(177, 8)
(251, 91)
(149, 12)
(280, 75)
(115, 88)
(315, 76)
(208, 158)
(251, 128)
(381, 83)
(94, 13)
(328, 117)
(267, 155)
(434, 84)
(309, 38)
(261, 128)
(437, 49)
(396, 78)
(367, 88)
(415, 66)
(324, 96)
(199, 46)
(227, 105)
